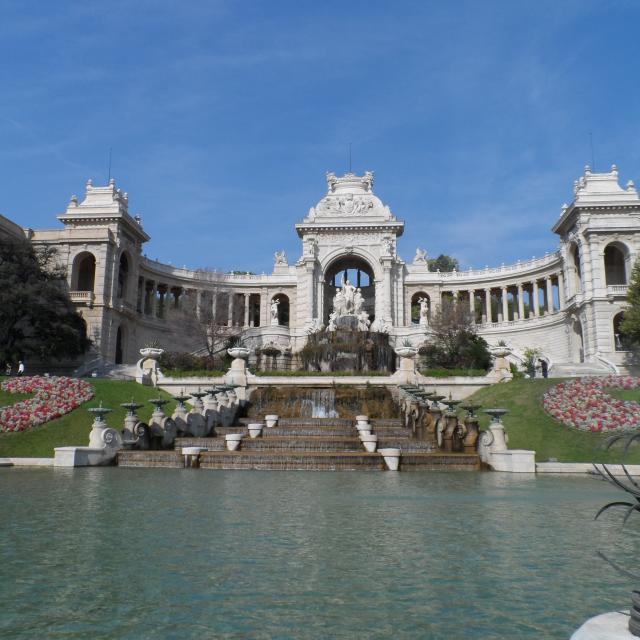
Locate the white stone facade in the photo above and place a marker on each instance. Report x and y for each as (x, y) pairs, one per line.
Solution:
(566, 303)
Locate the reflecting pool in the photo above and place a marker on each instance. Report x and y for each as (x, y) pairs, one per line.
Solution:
(160, 553)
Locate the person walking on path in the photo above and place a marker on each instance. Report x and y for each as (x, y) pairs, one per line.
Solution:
(20, 368)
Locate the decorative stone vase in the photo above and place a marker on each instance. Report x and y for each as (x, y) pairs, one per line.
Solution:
(233, 441)
(364, 433)
(151, 352)
(271, 420)
(500, 351)
(391, 458)
(362, 422)
(370, 442)
(239, 352)
(406, 352)
(255, 429)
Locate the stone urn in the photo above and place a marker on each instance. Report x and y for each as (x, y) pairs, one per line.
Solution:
(255, 429)
(233, 441)
(500, 351)
(271, 420)
(239, 352)
(151, 352)
(406, 352)
(391, 458)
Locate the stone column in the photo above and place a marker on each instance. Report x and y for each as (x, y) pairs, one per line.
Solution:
(214, 305)
(550, 305)
(472, 304)
(520, 302)
(230, 308)
(310, 267)
(198, 303)
(505, 305)
(561, 298)
(487, 304)
(386, 287)
(536, 301)
(264, 307)
(320, 302)
(246, 309)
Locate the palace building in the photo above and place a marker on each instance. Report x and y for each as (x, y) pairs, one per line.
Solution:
(568, 303)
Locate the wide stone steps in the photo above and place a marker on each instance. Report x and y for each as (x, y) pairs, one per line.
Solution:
(318, 444)
(307, 460)
(304, 443)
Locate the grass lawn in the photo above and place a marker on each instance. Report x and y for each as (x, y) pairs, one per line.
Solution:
(11, 398)
(74, 428)
(530, 427)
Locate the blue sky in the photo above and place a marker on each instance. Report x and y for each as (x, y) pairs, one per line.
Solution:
(224, 116)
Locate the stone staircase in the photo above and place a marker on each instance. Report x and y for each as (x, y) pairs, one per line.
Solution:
(579, 369)
(306, 444)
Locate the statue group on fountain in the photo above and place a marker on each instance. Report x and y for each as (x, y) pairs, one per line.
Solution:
(348, 301)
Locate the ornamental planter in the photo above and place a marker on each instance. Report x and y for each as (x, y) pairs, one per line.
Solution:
(233, 441)
(239, 352)
(391, 458)
(406, 352)
(370, 442)
(271, 420)
(151, 352)
(255, 429)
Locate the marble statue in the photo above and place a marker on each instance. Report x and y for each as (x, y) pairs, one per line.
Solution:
(424, 312)
(274, 311)
(280, 259)
(420, 257)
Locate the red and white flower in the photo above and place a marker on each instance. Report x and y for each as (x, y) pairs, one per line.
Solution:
(585, 404)
(53, 397)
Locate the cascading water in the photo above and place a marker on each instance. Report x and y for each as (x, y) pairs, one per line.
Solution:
(322, 403)
(343, 401)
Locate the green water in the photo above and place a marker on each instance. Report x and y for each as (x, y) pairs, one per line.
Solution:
(128, 553)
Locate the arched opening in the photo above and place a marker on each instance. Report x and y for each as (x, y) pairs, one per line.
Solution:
(615, 264)
(418, 301)
(84, 272)
(574, 254)
(282, 308)
(254, 310)
(359, 274)
(120, 346)
(620, 341)
(123, 276)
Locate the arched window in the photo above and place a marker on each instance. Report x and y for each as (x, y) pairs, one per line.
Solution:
(123, 275)
(120, 346)
(620, 341)
(615, 264)
(84, 272)
(416, 307)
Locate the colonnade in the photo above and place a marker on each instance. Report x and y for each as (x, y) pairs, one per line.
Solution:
(225, 307)
(515, 301)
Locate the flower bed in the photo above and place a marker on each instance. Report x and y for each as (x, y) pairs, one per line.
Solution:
(53, 397)
(585, 404)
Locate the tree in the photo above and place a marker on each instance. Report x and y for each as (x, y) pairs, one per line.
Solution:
(37, 317)
(198, 329)
(455, 343)
(443, 263)
(630, 327)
